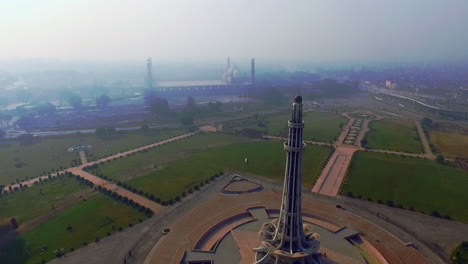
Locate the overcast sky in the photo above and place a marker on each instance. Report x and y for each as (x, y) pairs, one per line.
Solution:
(207, 30)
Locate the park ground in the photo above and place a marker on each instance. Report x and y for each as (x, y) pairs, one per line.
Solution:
(194, 160)
(395, 135)
(321, 126)
(412, 183)
(173, 170)
(87, 220)
(19, 161)
(450, 140)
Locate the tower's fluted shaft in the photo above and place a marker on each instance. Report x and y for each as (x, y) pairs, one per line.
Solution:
(286, 239)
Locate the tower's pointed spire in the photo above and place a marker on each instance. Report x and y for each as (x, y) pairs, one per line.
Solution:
(286, 240)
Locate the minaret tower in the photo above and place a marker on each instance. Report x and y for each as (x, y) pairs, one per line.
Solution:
(287, 240)
(252, 72)
(149, 74)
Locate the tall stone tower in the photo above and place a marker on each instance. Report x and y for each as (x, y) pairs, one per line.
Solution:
(252, 72)
(287, 240)
(149, 74)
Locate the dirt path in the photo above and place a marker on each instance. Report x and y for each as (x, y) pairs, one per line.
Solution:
(424, 141)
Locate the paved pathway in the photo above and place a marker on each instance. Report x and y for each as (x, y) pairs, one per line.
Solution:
(83, 157)
(118, 155)
(334, 172)
(111, 186)
(106, 184)
(424, 141)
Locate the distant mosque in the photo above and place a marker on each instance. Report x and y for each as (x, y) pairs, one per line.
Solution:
(233, 75)
(231, 81)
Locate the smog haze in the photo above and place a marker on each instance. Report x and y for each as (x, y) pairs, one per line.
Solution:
(207, 30)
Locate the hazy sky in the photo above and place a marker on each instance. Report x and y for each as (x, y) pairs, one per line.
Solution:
(295, 30)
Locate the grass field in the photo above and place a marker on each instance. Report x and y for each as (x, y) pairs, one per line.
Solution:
(319, 126)
(265, 158)
(393, 134)
(143, 163)
(460, 254)
(450, 144)
(19, 161)
(90, 219)
(423, 184)
(36, 200)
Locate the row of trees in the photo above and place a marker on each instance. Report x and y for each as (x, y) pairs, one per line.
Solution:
(391, 203)
(22, 187)
(125, 200)
(160, 106)
(152, 197)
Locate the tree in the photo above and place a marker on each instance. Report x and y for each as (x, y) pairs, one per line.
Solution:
(440, 159)
(426, 122)
(214, 107)
(186, 118)
(156, 104)
(191, 106)
(74, 100)
(103, 100)
(104, 132)
(45, 109)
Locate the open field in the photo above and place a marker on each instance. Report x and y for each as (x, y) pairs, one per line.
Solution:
(393, 134)
(89, 219)
(450, 144)
(425, 185)
(265, 158)
(450, 140)
(18, 161)
(319, 126)
(155, 159)
(37, 200)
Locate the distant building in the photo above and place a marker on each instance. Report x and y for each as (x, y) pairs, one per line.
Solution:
(149, 74)
(391, 85)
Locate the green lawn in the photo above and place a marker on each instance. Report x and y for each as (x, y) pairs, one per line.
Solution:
(460, 254)
(393, 134)
(36, 200)
(19, 161)
(154, 159)
(450, 144)
(265, 158)
(90, 219)
(319, 126)
(422, 184)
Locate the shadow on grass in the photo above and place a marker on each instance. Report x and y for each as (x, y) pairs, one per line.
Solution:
(12, 247)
